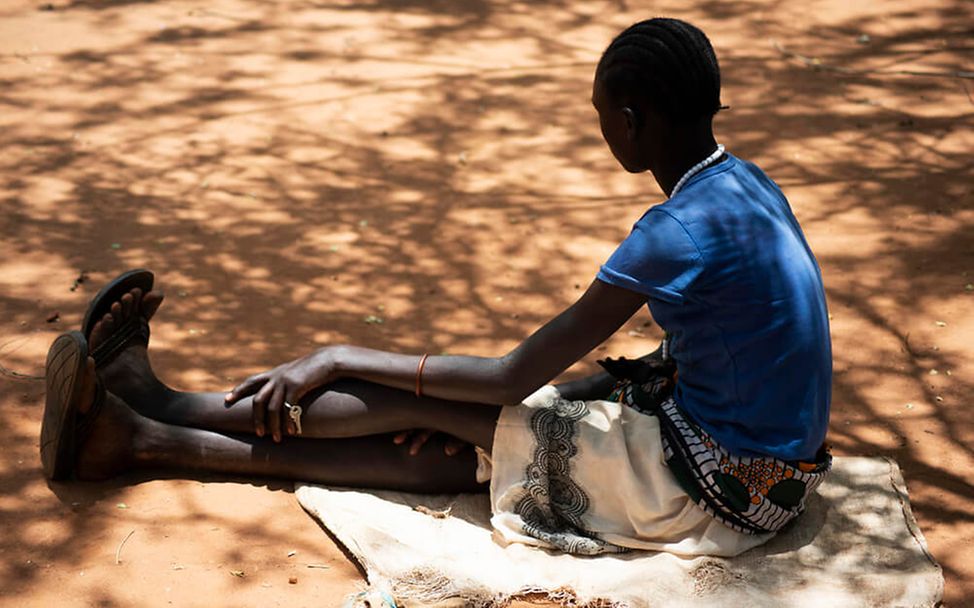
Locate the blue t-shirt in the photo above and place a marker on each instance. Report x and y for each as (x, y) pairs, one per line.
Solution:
(728, 274)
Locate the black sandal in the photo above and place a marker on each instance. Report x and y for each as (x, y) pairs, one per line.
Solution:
(64, 428)
(135, 327)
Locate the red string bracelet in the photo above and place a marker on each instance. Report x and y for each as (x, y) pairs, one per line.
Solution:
(419, 375)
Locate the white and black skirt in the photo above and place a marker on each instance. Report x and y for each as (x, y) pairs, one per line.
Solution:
(590, 477)
(631, 472)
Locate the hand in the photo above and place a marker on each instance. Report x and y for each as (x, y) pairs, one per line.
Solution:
(287, 382)
(452, 447)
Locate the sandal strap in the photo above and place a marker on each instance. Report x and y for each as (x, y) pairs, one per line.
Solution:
(135, 328)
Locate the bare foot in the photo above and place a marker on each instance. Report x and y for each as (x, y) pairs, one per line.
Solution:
(108, 449)
(129, 375)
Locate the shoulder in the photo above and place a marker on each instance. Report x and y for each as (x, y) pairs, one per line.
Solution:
(733, 178)
(723, 196)
(663, 227)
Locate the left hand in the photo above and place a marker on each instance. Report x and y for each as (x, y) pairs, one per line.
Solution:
(419, 437)
(288, 382)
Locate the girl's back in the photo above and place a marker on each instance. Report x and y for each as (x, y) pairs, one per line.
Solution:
(730, 277)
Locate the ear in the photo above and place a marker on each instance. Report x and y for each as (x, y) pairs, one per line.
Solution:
(634, 122)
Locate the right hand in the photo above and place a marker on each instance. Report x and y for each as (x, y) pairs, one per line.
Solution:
(288, 382)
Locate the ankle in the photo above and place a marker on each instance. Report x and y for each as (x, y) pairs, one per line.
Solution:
(138, 386)
(149, 440)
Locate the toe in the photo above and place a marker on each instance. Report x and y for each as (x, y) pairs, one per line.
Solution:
(107, 328)
(150, 303)
(117, 311)
(127, 301)
(136, 300)
(100, 331)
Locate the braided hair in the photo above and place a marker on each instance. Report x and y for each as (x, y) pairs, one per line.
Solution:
(667, 64)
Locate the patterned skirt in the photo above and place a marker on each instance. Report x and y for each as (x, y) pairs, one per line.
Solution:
(630, 472)
(750, 494)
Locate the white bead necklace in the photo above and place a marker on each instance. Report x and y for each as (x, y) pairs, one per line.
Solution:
(697, 168)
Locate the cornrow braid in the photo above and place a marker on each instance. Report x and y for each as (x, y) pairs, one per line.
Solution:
(666, 63)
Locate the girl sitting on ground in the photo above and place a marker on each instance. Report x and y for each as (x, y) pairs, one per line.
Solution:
(707, 446)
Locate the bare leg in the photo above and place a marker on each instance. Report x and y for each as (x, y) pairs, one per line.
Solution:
(364, 462)
(121, 440)
(347, 408)
(341, 410)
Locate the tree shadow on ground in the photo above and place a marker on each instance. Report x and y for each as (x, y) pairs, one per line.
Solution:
(291, 189)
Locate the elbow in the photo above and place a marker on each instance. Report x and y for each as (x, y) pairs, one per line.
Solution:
(514, 385)
(512, 396)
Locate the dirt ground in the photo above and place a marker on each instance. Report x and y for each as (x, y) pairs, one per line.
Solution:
(295, 172)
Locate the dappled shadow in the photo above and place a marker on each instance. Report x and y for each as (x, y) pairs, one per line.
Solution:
(429, 177)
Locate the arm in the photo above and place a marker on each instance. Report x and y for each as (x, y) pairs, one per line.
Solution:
(600, 311)
(599, 384)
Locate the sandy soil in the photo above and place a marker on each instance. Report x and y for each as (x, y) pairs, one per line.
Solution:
(290, 168)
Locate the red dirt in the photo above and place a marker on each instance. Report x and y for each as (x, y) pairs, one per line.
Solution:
(290, 168)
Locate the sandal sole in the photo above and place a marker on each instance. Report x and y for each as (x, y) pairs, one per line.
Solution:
(64, 377)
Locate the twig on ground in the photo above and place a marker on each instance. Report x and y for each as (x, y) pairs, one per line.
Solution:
(118, 552)
(817, 64)
(907, 347)
(17, 375)
(6, 371)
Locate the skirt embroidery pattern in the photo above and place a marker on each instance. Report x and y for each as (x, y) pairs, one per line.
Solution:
(552, 505)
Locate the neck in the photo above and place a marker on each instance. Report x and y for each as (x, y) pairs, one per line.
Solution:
(684, 149)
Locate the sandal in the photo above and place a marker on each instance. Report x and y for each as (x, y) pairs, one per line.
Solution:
(135, 326)
(64, 428)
